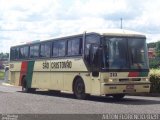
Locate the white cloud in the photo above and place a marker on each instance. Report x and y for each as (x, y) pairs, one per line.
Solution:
(26, 20)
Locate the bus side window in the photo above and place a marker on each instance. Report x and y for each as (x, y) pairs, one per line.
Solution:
(59, 48)
(55, 49)
(26, 51)
(12, 56)
(90, 39)
(74, 47)
(34, 51)
(16, 53)
(48, 49)
(31, 52)
(62, 48)
(23, 52)
(45, 50)
(42, 50)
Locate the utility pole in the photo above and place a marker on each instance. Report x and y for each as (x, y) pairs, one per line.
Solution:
(121, 23)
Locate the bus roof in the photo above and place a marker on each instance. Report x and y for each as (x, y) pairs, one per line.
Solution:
(117, 32)
(106, 32)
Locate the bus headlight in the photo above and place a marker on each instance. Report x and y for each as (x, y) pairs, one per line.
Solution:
(145, 79)
(110, 80)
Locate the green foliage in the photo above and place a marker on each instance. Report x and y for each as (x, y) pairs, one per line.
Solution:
(154, 63)
(158, 49)
(151, 45)
(4, 55)
(155, 80)
(1, 74)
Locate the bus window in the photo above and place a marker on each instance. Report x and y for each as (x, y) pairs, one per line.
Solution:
(91, 39)
(118, 56)
(45, 50)
(12, 57)
(31, 52)
(17, 53)
(23, 53)
(59, 48)
(74, 47)
(69, 46)
(26, 50)
(34, 51)
(55, 49)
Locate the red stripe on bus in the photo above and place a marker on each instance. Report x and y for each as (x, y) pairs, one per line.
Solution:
(24, 67)
(133, 74)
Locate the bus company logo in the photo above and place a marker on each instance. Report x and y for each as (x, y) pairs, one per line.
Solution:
(57, 65)
(63, 64)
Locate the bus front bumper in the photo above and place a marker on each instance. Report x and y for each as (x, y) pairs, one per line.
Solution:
(107, 88)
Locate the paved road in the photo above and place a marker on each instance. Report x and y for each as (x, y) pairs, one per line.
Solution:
(14, 101)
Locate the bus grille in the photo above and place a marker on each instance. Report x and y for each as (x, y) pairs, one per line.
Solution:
(133, 79)
(123, 80)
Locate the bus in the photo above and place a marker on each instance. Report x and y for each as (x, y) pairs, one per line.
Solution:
(102, 63)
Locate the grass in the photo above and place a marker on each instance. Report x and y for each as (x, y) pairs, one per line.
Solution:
(1, 74)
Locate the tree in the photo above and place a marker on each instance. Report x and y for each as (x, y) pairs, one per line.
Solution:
(158, 49)
(4, 56)
(151, 45)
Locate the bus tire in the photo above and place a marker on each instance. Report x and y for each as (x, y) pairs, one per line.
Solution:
(118, 96)
(79, 89)
(25, 87)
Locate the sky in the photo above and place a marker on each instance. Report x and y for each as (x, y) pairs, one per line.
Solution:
(22, 21)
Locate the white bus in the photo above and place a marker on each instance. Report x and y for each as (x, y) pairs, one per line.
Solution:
(112, 62)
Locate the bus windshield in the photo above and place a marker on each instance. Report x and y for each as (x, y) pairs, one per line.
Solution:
(125, 53)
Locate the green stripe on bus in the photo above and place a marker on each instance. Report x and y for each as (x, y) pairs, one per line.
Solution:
(143, 74)
(30, 73)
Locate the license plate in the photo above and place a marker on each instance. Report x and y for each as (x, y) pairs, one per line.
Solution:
(129, 91)
(129, 87)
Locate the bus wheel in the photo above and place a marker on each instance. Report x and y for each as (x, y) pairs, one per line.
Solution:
(79, 89)
(25, 87)
(118, 96)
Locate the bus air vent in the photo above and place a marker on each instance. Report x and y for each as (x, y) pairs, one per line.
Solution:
(136, 79)
(123, 80)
